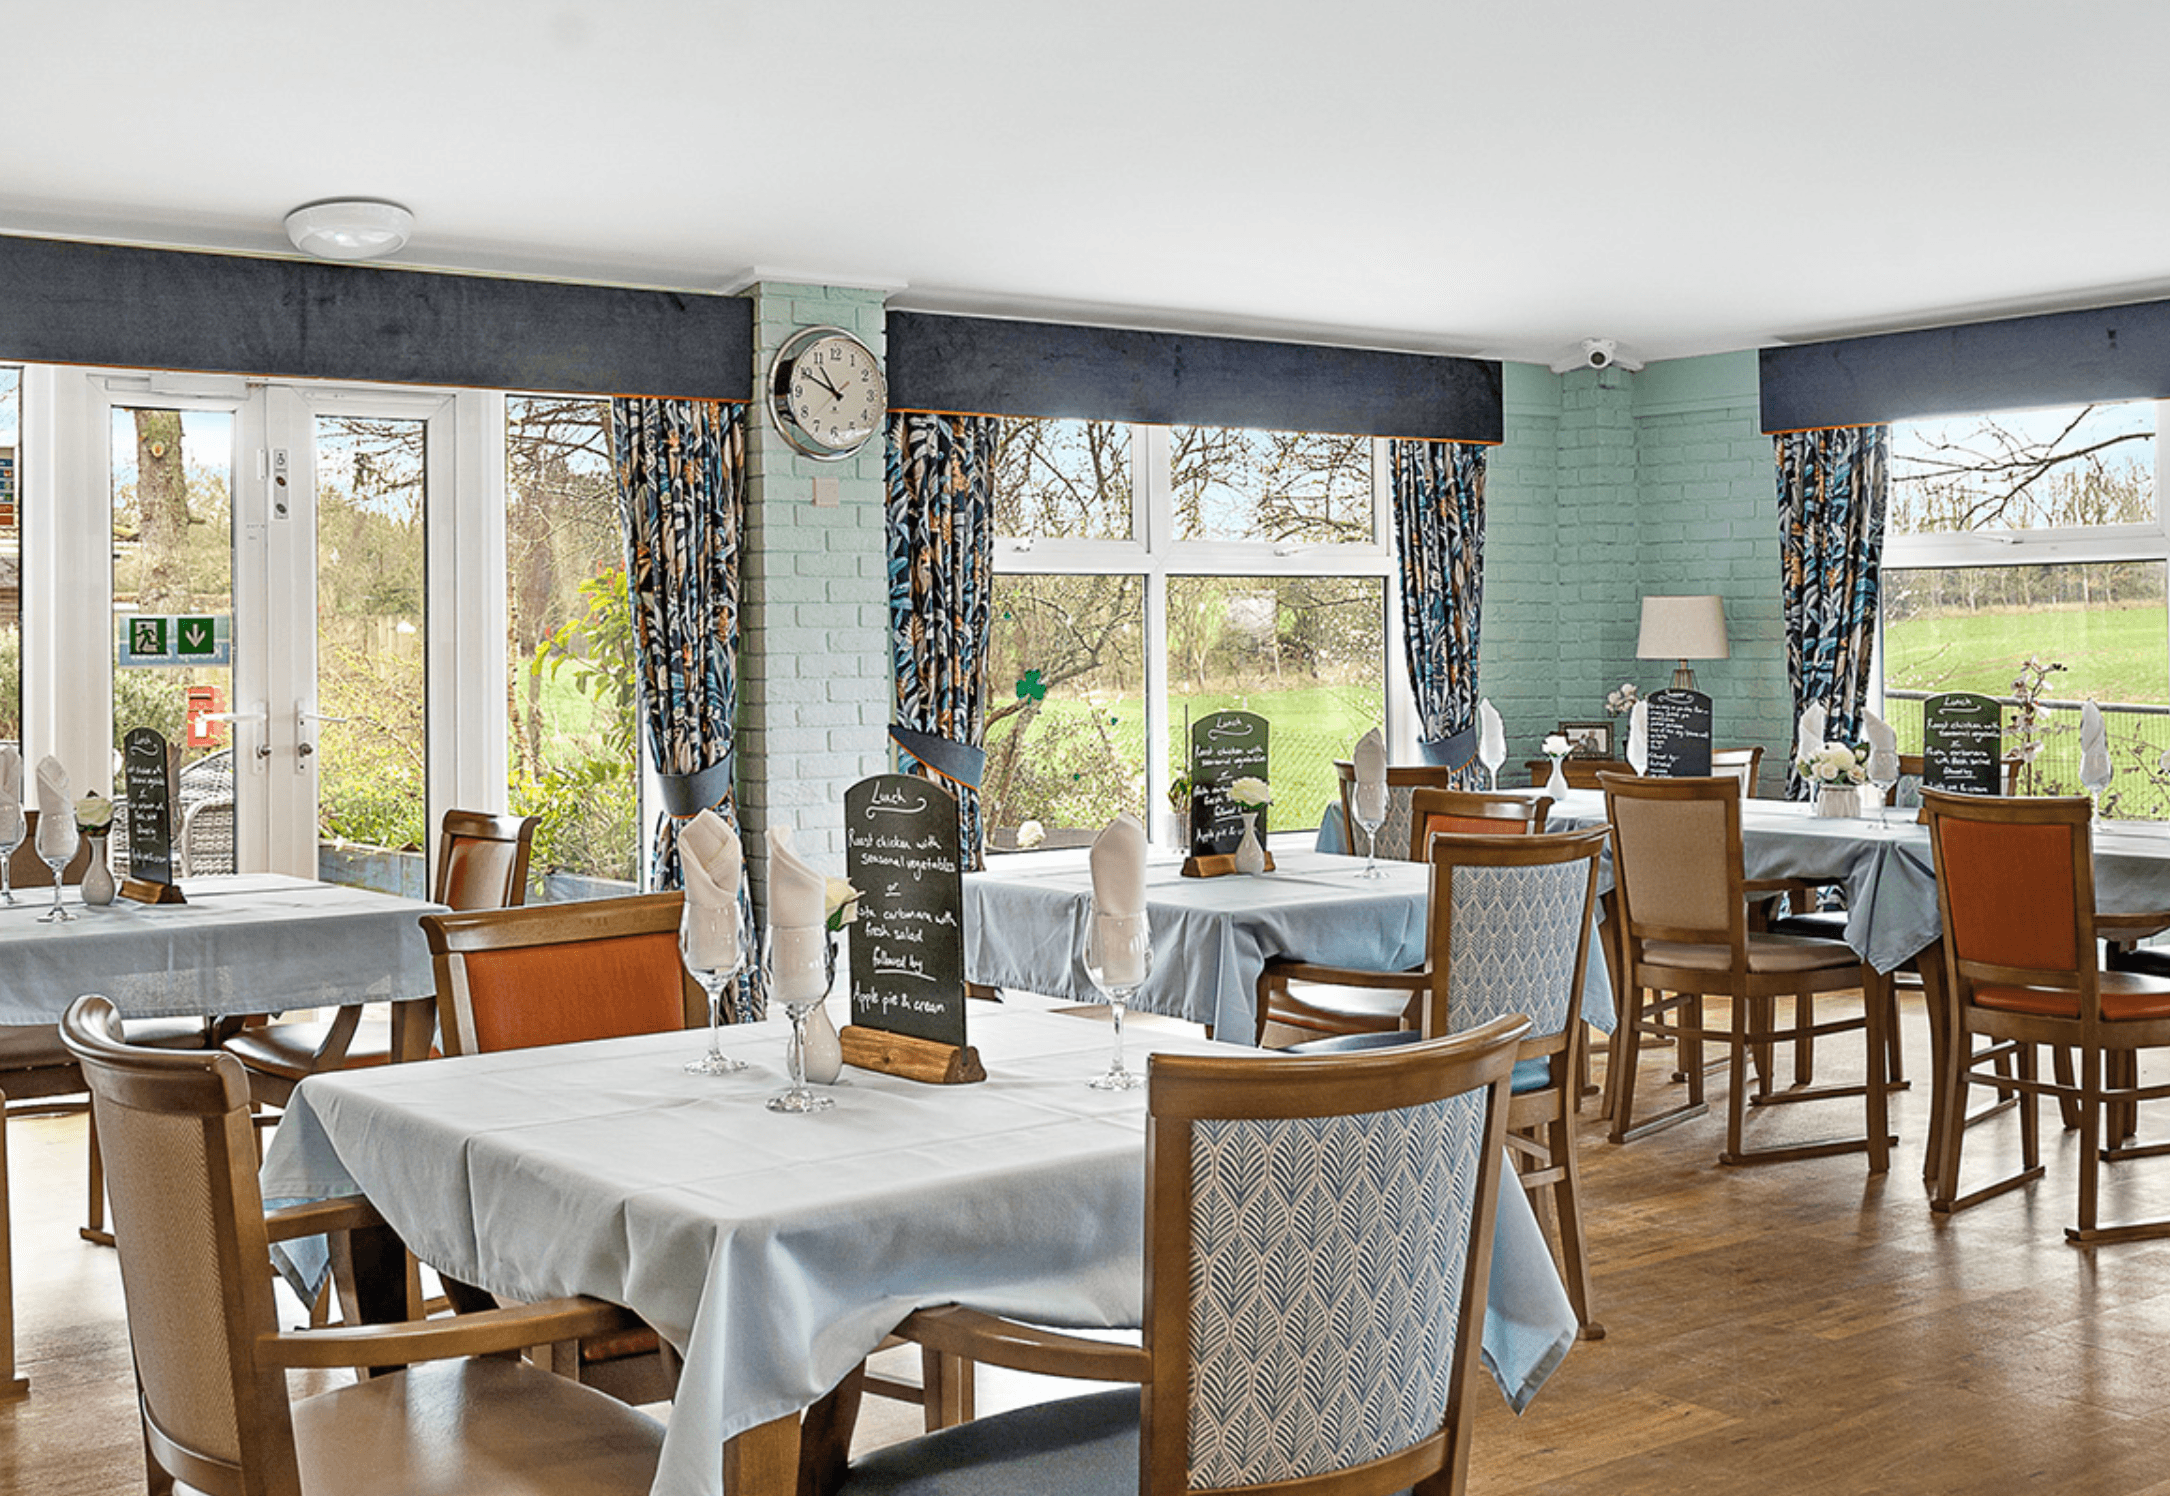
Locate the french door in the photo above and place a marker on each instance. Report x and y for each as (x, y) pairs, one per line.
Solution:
(266, 574)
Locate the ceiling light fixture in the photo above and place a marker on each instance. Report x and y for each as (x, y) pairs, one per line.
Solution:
(349, 228)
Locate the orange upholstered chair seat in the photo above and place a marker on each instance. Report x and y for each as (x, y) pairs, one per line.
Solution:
(566, 994)
(1474, 826)
(2127, 997)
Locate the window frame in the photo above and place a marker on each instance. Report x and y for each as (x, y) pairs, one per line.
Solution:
(1153, 553)
(2046, 546)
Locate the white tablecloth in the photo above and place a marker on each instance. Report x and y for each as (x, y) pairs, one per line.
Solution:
(1025, 920)
(246, 943)
(776, 1251)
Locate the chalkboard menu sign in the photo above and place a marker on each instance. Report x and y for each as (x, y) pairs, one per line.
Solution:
(1679, 734)
(148, 765)
(907, 946)
(1224, 747)
(1962, 744)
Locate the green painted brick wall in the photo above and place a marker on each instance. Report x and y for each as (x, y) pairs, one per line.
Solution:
(1610, 485)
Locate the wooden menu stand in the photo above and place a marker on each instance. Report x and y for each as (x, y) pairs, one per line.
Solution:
(914, 1059)
(1215, 865)
(143, 891)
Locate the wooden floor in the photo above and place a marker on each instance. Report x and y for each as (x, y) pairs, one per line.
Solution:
(1792, 1328)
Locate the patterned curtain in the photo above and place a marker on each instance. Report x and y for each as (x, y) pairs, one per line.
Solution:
(941, 580)
(1439, 534)
(681, 470)
(1831, 495)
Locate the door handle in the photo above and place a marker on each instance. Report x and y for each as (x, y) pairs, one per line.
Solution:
(304, 748)
(263, 748)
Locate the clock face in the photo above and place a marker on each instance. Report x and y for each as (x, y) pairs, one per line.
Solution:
(834, 395)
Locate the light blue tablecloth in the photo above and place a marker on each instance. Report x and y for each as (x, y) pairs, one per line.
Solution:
(776, 1251)
(241, 944)
(1025, 922)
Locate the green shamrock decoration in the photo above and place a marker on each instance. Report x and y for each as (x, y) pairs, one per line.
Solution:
(1031, 688)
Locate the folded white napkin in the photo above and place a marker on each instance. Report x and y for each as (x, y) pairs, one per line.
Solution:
(796, 915)
(1638, 747)
(56, 812)
(1370, 778)
(1491, 739)
(1118, 864)
(713, 860)
(1809, 737)
(11, 798)
(2095, 770)
(1883, 741)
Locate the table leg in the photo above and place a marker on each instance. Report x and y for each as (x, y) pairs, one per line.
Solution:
(11, 1385)
(763, 1461)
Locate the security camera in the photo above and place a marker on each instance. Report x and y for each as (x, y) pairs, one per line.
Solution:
(1595, 353)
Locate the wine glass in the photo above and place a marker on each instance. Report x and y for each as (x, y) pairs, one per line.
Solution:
(12, 831)
(55, 849)
(1118, 955)
(1371, 824)
(798, 972)
(712, 941)
(1883, 771)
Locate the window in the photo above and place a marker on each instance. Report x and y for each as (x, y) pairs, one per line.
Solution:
(2035, 533)
(1147, 575)
(574, 717)
(11, 556)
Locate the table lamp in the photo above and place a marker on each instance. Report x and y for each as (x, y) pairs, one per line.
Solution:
(1683, 629)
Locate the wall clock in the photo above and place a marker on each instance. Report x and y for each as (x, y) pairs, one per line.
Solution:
(827, 394)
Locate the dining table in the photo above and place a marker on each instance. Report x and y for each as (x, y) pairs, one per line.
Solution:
(1025, 919)
(774, 1251)
(242, 943)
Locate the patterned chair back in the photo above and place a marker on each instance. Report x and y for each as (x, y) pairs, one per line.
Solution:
(1402, 781)
(1512, 917)
(1317, 1254)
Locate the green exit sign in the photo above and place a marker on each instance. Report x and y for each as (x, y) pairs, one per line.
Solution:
(153, 639)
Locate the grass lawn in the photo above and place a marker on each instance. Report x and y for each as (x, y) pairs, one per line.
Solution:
(2110, 653)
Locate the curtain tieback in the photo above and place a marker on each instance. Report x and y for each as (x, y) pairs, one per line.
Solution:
(1457, 750)
(689, 794)
(959, 763)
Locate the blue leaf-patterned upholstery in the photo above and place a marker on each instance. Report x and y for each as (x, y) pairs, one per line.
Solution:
(1326, 1270)
(1512, 948)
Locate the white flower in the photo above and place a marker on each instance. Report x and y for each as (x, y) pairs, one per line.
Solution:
(1030, 834)
(1622, 700)
(842, 902)
(1251, 792)
(94, 812)
(1555, 745)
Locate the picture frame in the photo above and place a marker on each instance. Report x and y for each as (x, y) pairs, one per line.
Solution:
(1588, 739)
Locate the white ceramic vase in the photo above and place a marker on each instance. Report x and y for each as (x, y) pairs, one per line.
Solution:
(1556, 786)
(98, 886)
(1250, 856)
(1838, 800)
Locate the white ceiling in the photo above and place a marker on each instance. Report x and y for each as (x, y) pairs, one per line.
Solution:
(1500, 179)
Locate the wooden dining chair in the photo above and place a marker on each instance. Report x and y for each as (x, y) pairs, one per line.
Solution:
(1513, 917)
(457, 1417)
(1363, 1189)
(1402, 781)
(560, 973)
(2015, 887)
(482, 863)
(1316, 998)
(1684, 935)
(1743, 764)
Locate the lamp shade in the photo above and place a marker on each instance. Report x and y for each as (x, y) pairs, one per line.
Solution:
(1683, 628)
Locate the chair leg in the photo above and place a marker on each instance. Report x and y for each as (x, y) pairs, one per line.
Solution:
(1566, 1195)
(1804, 1043)
(1877, 1009)
(1894, 1040)
(2090, 1078)
(94, 1230)
(2068, 1106)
